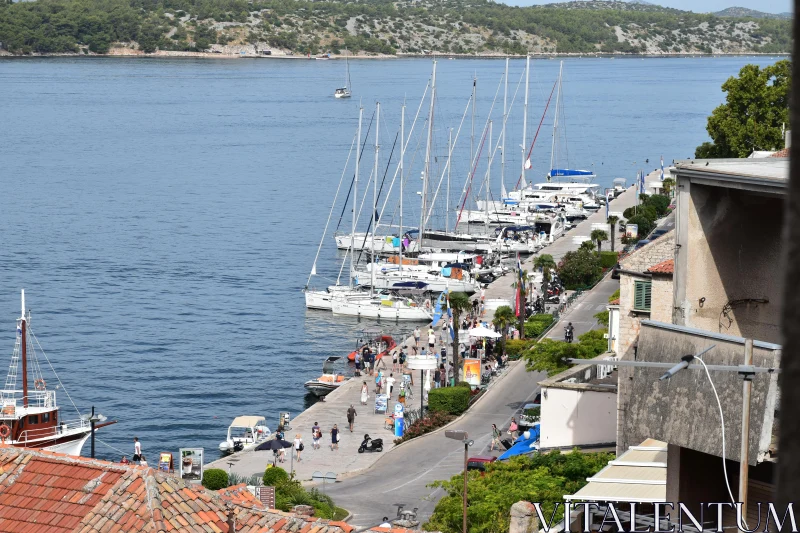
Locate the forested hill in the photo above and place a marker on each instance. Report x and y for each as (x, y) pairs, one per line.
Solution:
(377, 26)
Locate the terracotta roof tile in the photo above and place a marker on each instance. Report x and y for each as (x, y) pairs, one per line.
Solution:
(664, 267)
(781, 153)
(615, 301)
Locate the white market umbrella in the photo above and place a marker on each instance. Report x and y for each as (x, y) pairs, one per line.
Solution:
(482, 332)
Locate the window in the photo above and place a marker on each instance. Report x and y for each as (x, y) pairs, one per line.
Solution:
(45, 417)
(641, 295)
(33, 419)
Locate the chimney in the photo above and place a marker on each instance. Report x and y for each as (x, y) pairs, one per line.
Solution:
(231, 519)
(523, 518)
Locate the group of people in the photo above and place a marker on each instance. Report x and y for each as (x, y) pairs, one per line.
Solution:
(138, 457)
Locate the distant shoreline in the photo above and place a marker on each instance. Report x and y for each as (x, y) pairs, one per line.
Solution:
(166, 54)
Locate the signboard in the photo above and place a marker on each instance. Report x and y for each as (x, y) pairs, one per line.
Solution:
(381, 401)
(632, 231)
(165, 462)
(267, 496)
(472, 372)
(191, 466)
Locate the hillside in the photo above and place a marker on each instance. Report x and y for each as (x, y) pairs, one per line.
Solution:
(750, 13)
(377, 27)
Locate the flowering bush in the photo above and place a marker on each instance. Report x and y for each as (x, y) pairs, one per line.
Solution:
(434, 420)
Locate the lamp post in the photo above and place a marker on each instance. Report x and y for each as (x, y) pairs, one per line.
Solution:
(92, 420)
(462, 436)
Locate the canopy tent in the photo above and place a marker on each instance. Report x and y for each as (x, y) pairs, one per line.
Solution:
(247, 421)
(524, 444)
(482, 332)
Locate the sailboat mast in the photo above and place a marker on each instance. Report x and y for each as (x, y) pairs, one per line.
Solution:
(427, 171)
(24, 348)
(525, 120)
(402, 161)
(375, 198)
(488, 176)
(449, 168)
(503, 144)
(472, 131)
(555, 120)
(355, 197)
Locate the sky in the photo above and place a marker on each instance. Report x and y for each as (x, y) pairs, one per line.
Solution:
(698, 6)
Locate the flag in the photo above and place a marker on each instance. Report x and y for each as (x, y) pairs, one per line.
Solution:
(519, 302)
(528, 163)
(662, 168)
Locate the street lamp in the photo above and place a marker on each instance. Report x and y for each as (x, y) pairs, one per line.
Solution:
(93, 419)
(457, 434)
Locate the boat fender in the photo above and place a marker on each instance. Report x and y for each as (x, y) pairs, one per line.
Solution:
(40, 384)
(5, 431)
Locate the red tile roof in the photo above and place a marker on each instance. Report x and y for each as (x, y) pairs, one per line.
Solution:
(664, 267)
(56, 493)
(781, 153)
(615, 301)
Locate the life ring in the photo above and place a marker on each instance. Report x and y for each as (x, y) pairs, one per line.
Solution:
(427, 304)
(5, 431)
(39, 384)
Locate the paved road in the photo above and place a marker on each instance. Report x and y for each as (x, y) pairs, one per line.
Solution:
(402, 474)
(582, 312)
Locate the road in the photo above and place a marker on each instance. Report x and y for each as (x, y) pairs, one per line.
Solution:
(401, 476)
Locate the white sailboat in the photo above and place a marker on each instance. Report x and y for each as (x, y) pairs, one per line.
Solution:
(344, 92)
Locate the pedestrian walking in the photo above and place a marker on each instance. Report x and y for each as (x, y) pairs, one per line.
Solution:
(137, 449)
(335, 437)
(495, 437)
(378, 383)
(451, 375)
(402, 361)
(298, 446)
(513, 429)
(395, 362)
(431, 340)
(358, 363)
(416, 336)
(437, 377)
(351, 417)
(442, 376)
(316, 436)
(364, 393)
(390, 384)
(372, 356)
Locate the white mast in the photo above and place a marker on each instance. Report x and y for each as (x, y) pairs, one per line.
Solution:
(555, 120)
(23, 305)
(523, 183)
(503, 148)
(449, 168)
(374, 198)
(472, 132)
(488, 175)
(355, 196)
(402, 157)
(427, 170)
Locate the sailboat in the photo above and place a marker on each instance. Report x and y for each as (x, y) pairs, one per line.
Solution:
(344, 92)
(31, 418)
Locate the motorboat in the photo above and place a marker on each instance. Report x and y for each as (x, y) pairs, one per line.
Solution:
(377, 342)
(244, 432)
(549, 225)
(517, 239)
(30, 416)
(331, 379)
(323, 299)
(387, 307)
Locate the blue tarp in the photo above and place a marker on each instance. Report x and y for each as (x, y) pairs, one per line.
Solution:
(446, 271)
(522, 445)
(569, 172)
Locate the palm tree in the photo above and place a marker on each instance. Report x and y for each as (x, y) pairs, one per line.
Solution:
(612, 222)
(503, 317)
(546, 263)
(599, 236)
(459, 303)
(586, 245)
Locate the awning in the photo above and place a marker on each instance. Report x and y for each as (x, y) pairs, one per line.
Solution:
(247, 421)
(523, 445)
(638, 475)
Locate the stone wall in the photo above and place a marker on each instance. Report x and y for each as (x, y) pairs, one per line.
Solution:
(661, 298)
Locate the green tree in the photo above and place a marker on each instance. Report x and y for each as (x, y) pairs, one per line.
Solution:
(546, 264)
(599, 236)
(669, 184)
(459, 303)
(503, 317)
(755, 110)
(551, 356)
(644, 224)
(580, 268)
(612, 223)
(587, 245)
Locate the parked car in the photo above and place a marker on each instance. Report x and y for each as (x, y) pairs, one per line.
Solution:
(480, 462)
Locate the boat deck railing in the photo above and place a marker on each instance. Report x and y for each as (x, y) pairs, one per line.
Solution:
(13, 400)
(64, 428)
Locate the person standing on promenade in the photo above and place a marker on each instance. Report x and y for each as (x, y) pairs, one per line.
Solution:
(437, 377)
(378, 383)
(513, 429)
(372, 359)
(335, 437)
(390, 385)
(442, 376)
(316, 436)
(358, 362)
(298, 445)
(364, 393)
(431, 340)
(416, 336)
(495, 437)
(395, 363)
(137, 449)
(351, 417)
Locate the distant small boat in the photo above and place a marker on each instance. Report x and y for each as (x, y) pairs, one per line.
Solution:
(331, 379)
(244, 431)
(344, 92)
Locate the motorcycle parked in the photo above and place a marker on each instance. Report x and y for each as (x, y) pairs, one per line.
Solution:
(370, 445)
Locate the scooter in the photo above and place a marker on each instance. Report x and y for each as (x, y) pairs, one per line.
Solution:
(370, 445)
(568, 332)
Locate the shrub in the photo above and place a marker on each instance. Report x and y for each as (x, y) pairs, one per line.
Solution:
(433, 421)
(515, 347)
(451, 400)
(602, 317)
(275, 476)
(537, 324)
(645, 224)
(579, 269)
(613, 296)
(464, 384)
(215, 479)
(608, 259)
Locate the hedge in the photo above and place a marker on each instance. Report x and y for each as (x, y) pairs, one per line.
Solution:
(537, 324)
(275, 476)
(608, 259)
(451, 400)
(215, 479)
(515, 347)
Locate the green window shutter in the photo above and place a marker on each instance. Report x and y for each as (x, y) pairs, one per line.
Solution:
(641, 295)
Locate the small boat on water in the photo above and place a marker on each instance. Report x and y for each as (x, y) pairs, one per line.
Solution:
(30, 416)
(344, 92)
(243, 432)
(331, 379)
